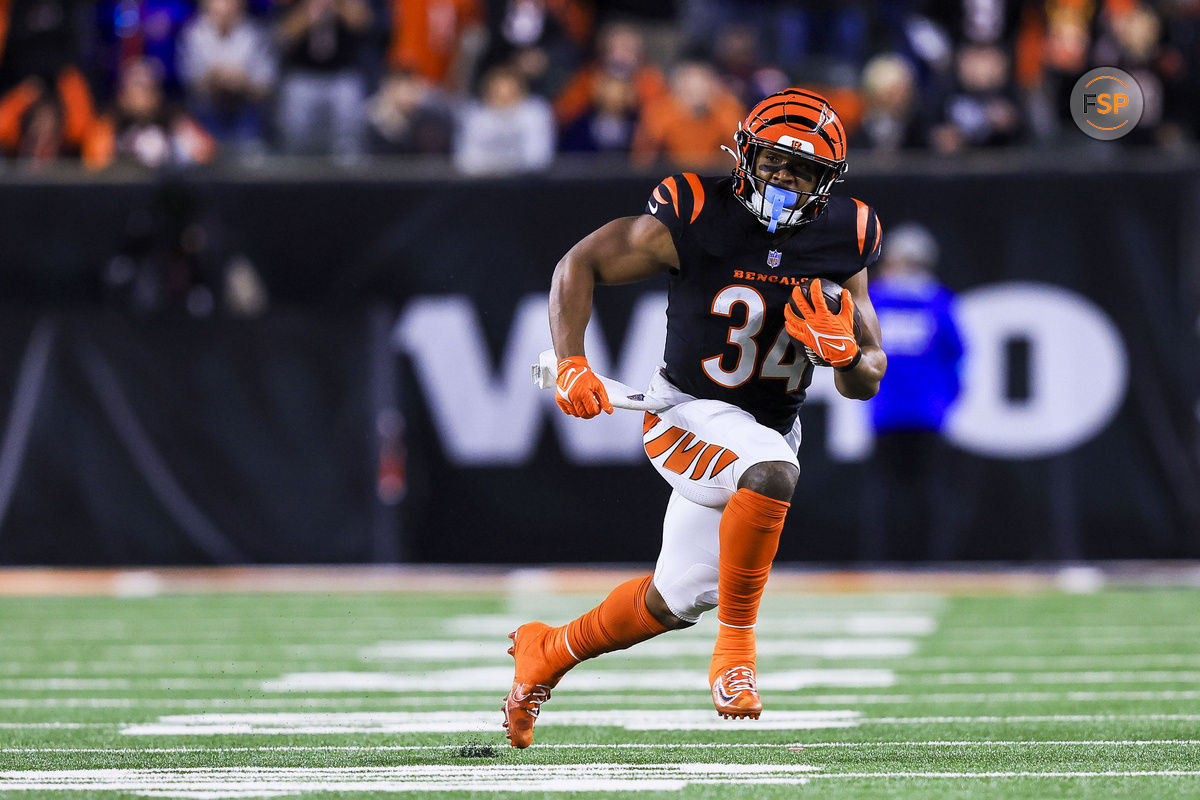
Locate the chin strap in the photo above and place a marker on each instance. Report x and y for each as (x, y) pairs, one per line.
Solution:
(778, 199)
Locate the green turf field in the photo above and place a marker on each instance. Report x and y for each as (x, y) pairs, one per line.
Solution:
(334, 695)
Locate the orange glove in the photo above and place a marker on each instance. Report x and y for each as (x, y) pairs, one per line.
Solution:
(579, 392)
(827, 336)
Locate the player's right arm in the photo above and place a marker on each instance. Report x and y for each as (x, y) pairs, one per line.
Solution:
(625, 250)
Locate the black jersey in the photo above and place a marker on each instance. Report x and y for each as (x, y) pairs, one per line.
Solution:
(725, 333)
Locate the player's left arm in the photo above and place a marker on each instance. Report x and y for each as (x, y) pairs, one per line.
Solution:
(862, 382)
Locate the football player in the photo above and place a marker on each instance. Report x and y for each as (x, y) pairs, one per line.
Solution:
(745, 329)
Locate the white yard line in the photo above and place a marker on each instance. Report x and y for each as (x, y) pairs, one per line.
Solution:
(862, 721)
(575, 778)
(1088, 677)
(475, 722)
(136, 682)
(500, 679)
(167, 667)
(1163, 773)
(384, 748)
(475, 650)
(859, 623)
(286, 781)
(629, 719)
(583, 698)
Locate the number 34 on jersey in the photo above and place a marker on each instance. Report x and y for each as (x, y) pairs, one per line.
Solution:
(781, 360)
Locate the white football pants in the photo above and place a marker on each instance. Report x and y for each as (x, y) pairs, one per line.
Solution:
(701, 448)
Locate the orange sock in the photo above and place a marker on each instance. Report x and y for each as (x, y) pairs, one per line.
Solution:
(621, 620)
(749, 537)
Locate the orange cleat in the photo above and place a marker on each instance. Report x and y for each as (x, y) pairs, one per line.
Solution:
(735, 694)
(533, 678)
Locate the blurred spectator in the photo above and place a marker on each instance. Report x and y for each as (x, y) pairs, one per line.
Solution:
(825, 40)
(983, 110)
(437, 39)
(737, 57)
(688, 127)
(891, 118)
(135, 29)
(1133, 40)
(825, 37)
(40, 122)
(322, 95)
(620, 53)
(1051, 53)
(908, 496)
(227, 65)
(509, 131)
(143, 128)
(409, 116)
(609, 123)
(38, 39)
(541, 39)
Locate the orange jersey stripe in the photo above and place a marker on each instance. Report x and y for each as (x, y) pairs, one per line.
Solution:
(705, 459)
(673, 191)
(727, 458)
(697, 194)
(649, 422)
(658, 195)
(862, 223)
(680, 460)
(661, 444)
(878, 234)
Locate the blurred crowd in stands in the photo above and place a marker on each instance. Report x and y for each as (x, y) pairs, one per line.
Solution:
(504, 86)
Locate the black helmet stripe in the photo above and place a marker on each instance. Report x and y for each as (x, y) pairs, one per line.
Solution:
(801, 92)
(819, 131)
(782, 103)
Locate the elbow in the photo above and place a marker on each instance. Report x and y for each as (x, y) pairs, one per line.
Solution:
(862, 383)
(865, 392)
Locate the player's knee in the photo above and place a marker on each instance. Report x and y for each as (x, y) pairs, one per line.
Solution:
(774, 479)
(659, 609)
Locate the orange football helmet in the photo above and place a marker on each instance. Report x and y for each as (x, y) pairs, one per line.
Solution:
(798, 123)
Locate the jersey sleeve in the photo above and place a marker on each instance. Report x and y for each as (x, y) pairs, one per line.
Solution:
(869, 233)
(677, 202)
(875, 237)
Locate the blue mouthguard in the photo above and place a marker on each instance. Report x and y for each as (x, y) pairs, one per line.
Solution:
(778, 198)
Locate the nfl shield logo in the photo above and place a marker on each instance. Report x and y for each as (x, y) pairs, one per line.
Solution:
(773, 258)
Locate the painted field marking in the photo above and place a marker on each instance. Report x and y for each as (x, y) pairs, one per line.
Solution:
(500, 679)
(862, 721)
(474, 722)
(286, 781)
(1096, 676)
(589, 699)
(1162, 773)
(869, 623)
(487, 649)
(134, 682)
(1057, 718)
(386, 748)
(248, 668)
